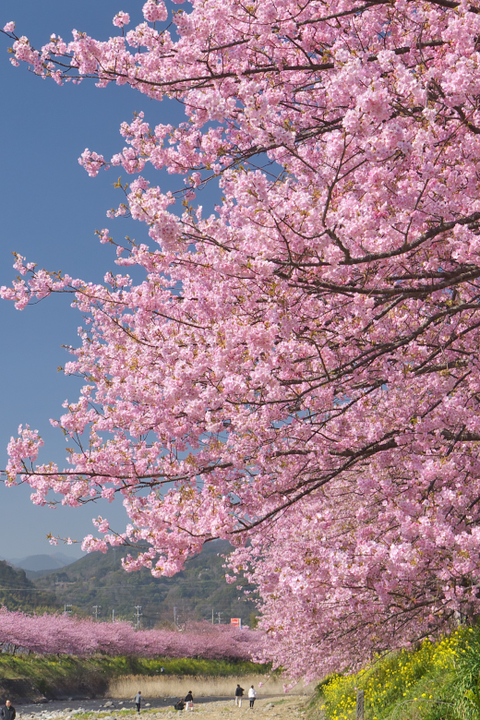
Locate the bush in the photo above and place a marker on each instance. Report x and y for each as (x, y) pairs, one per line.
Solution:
(439, 681)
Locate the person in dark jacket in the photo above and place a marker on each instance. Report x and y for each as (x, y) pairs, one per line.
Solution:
(238, 695)
(189, 701)
(8, 712)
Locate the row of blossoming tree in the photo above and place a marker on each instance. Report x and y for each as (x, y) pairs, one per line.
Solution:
(298, 371)
(61, 634)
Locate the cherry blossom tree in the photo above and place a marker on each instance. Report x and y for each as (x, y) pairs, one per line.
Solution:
(61, 634)
(298, 371)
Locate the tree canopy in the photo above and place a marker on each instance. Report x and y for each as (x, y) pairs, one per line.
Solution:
(298, 371)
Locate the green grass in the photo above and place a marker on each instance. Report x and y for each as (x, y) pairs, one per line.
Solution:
(195, 666)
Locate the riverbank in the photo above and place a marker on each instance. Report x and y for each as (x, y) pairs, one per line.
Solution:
(276, 707)
(36, 679)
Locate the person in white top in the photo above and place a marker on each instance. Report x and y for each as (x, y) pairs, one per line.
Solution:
(252, 695)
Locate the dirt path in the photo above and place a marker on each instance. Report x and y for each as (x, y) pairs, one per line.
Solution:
(280, 708)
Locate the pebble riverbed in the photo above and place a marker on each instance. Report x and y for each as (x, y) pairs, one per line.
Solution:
(280, 708)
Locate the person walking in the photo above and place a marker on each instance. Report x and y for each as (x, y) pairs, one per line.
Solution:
(8, 712)
(238, 695)
(252, 695)
(189, 701)
(138, 701)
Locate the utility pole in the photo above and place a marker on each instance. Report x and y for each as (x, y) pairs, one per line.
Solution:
(96, 608)
(138, 615)
(219, 618)
(213, 619)
(113, 615)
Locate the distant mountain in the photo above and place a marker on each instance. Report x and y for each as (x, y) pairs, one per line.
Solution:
(36, 563)
(99, 581)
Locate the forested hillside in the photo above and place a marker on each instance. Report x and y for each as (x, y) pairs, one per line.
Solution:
(194, 594)
(17, 592)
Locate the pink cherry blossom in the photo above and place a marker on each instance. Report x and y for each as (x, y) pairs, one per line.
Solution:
(154, 10)
(121, 19)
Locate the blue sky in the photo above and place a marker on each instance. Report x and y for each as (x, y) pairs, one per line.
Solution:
(50, 210)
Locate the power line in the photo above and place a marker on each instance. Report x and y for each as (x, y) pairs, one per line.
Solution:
(26, 589)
